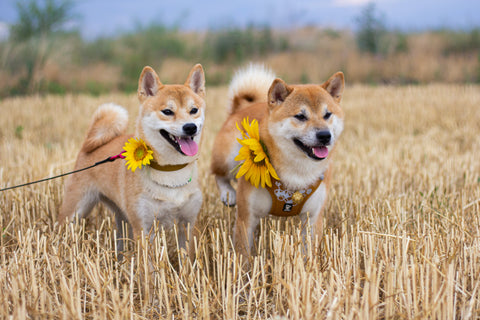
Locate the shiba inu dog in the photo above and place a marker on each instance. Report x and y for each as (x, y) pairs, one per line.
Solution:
(298, 128)
(170, 122)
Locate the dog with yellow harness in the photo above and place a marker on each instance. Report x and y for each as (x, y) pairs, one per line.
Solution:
(278, 141)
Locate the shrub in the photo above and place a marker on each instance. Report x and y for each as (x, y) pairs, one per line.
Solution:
(370, 30)
(236, 45)
(462, 42)
(36, 20)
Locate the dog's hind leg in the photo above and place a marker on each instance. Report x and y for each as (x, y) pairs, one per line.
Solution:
(77, 203)
(187, 227)
(124, 229)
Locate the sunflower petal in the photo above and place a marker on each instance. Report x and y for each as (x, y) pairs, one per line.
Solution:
(268, 180)
(254, 130)
(241, 131)
(243, 154)
(271, 170)
(257, 177)
(263, 173)
(250, 143)
(238, 128)
(250, 173)
(243, 169)
(245, 123)
(259, 157)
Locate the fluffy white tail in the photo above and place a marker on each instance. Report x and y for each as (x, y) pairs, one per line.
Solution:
(249, 85)
(109, 121)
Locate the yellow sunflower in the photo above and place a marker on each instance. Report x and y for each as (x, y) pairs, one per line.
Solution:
(137, 154)
(256, 166)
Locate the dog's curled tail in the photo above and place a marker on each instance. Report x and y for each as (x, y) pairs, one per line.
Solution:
(249, 85)
(109, 121)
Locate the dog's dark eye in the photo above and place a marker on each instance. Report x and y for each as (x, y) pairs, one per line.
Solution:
(327, 115)
(167, 112)
(301, 117)
(193, 111)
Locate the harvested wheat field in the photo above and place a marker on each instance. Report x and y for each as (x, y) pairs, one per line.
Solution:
(402, 236)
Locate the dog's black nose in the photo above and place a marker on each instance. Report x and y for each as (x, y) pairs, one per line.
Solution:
(324, 137)
(190, 129)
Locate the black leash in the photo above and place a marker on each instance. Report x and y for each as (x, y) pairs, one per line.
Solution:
(109, 159)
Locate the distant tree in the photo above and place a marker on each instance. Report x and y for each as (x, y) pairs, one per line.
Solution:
(370, 30)
(31, 44)
(39, 18)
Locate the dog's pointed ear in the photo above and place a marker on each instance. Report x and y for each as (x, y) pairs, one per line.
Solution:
(278, 92)
(196, 80)
(335, 86)
(148, 84)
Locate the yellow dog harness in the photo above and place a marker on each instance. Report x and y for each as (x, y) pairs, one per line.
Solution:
(286, 203)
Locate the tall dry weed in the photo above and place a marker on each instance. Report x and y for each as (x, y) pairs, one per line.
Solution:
(402, 236)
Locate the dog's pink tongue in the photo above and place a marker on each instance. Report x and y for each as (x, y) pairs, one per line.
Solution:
(320, 152)
(188, 146)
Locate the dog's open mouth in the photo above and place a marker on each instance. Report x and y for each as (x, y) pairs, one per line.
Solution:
(315, 152)
(184, 145)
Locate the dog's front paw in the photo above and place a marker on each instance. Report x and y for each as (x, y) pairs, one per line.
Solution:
(228, 198)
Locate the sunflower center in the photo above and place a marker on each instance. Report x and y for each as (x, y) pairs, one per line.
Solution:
(139, 153)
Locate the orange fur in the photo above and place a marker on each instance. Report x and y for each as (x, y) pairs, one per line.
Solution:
(147, 195)
(279, 127)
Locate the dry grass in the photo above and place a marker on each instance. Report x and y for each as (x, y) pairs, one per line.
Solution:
(402, 238)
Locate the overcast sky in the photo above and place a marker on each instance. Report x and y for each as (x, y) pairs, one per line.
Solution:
(106, 17)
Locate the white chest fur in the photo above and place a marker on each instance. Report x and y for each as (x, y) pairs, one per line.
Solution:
(169, 196)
